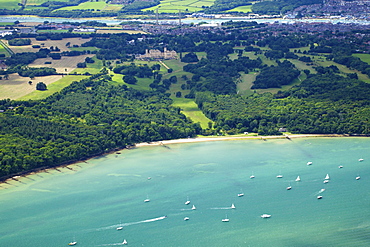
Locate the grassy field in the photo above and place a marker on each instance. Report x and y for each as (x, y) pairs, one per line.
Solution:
(173, 6)
(246, 82)
(52, 87)
(363, 57)
(102, 5)
(3, 50)
(38, 2)
(243, 9)
(3, 24)
(10, 4)
(191, 110)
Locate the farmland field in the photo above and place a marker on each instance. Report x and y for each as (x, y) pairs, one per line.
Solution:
(18, 86)
(173, 6)
(61, 44)
(363, 57)
(243, 9)
(38, 2)
(9, 4)
(52, 87)
(63, 65)
(94, 5)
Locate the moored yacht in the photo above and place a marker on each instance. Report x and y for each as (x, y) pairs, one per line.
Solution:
(265, 216)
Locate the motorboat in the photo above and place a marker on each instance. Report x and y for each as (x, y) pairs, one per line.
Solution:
(72, 243)
(124, 241)
(340, 167)
(187, 201)
(309, 163)
(226, 219)
(147, 200)
(358, 177)
(241, 194)
(326, 181)
(327, 177)
(193, 207)
(279, 176)
(119, 228)
(289, 187)
(232, 206)
(186, 218)
(265, 216)
(298, 179)
(252, 176)
(360, 160)
(319, 197)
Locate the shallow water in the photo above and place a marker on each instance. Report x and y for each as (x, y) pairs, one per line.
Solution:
(88, 203)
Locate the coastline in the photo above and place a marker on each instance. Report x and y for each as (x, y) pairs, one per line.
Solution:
(231, 138)
(16, 177)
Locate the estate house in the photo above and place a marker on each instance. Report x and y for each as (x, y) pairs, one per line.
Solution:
(154, 54)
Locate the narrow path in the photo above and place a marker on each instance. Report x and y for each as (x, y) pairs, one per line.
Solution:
(161, 62)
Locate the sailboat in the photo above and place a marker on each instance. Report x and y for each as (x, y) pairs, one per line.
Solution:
(124, 241)
(187, 201)
(193, 207)
(232, 206)
(327, 177)
(147, 199)
(186, 218)
(309, 163)
(358, 177)
(298, 179)
(252, 176)
(226, 219)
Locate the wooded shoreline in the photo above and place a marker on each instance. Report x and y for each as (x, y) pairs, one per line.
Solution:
(176, 141)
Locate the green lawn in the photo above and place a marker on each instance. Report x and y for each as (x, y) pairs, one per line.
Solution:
(53, 88)
(363, 57)
(88, 48)
(246, 82)
(191, 110)
(3, 50)
(3, 24)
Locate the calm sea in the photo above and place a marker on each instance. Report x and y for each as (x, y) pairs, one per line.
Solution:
(87, 202)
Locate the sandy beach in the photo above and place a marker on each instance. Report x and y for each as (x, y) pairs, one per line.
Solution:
(230, 138)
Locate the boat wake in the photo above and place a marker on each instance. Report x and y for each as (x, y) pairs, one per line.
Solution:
(110, 244)
(221, 208)
(131, 223)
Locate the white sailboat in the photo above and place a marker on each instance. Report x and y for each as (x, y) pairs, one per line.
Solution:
(226, 219)
(147, 199)
(124, 241)
(279, 176)
(327, 177)
(193, 207)
(187, 201)
(186, 218)
(298, 179)
(232, 206)
(309, 163)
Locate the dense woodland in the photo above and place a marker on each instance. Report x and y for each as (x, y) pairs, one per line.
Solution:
(94, 116)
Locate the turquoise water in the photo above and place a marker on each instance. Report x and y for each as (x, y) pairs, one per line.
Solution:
(86, 204)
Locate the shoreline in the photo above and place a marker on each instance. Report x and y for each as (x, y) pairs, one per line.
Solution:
(164, 143)
(231, 138)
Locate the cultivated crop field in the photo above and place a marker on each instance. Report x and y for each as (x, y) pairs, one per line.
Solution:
(61, 44)
(17, 86)
(63, 65)
(173, 6)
